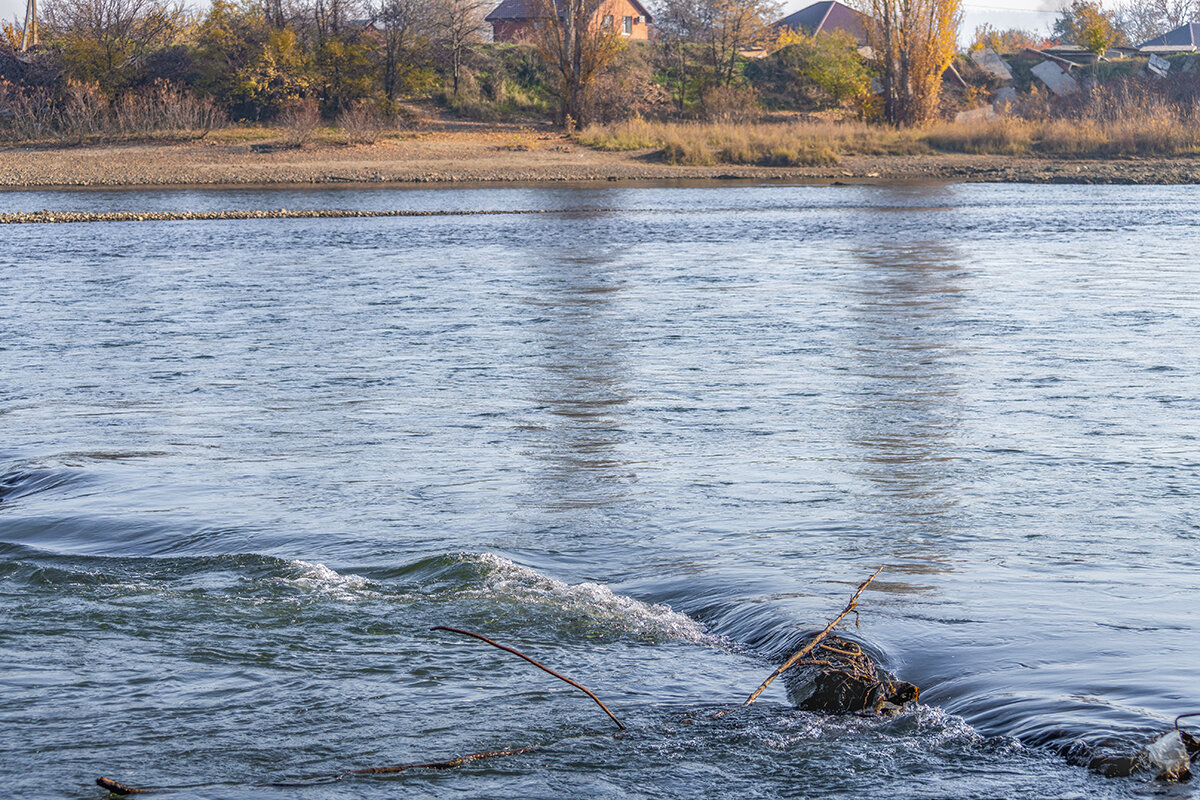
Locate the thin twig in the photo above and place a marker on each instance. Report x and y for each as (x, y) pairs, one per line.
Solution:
(1185, 716)
(542, 667)
(808, 648)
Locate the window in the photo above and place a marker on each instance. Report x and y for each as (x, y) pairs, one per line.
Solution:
(606, 22)
(628, 25)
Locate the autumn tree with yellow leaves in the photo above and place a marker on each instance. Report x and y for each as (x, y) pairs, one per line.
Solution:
(1087, 24)
(912, 43)
(578, 43)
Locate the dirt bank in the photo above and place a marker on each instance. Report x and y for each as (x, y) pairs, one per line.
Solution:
(515, 155)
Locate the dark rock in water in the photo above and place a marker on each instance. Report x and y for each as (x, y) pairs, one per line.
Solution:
(841, 677)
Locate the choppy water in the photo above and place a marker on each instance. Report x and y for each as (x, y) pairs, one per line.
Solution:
(245, 466)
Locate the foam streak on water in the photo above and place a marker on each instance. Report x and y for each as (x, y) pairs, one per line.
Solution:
(246, 466)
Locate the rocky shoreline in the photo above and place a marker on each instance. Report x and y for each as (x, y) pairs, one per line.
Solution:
(505, 157)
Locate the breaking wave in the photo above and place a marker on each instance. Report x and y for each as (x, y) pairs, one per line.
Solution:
(510, 583)
(320, 580)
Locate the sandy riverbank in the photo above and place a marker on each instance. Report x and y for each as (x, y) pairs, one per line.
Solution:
(516, 156)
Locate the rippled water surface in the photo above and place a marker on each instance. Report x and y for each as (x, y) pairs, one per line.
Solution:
(650, 439)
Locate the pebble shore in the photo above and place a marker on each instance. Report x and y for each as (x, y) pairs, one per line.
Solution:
(498, 158)
(45, 217)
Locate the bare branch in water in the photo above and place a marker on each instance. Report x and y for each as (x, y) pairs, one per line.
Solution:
(542, 667)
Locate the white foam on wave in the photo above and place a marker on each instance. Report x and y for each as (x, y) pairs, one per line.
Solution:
(921, 728)
(320, 579)
(595, 602)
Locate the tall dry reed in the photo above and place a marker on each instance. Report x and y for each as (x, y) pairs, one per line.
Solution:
(80, 112)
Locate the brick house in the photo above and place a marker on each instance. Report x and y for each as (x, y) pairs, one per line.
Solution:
(513, 20)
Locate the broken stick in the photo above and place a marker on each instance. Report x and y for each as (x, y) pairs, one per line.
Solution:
(542, 667)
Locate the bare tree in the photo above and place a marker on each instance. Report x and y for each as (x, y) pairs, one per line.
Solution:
(456, 26)
(330, 17)
(578, 42)
(116, 33)
(678, 32)
(273, 13)
(406, 28)
(914, 42)
(729, 27)
(1141, 20)
(701, 42)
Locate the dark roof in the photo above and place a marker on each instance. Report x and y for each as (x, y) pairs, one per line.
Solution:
(828, 15)
(1183, 36)
(513, 10)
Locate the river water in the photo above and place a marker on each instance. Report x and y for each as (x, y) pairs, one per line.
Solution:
(650, 439)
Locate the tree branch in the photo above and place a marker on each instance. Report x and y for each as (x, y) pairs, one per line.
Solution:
(536, 664)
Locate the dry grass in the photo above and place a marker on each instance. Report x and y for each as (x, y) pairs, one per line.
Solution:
(299, 121)
(1004, 136)
(1147, 131)
(81, 113)
(362, 123)
(764, 144)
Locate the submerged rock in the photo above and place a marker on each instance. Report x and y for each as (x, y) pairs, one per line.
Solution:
(1169, 757)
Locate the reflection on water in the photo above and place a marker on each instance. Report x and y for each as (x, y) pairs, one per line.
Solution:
(247, 465)
(904, 348)
(579, 384)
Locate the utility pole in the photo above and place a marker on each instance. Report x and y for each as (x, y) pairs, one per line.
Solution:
(29, 35)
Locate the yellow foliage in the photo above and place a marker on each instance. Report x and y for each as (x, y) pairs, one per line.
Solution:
(914, 42)
(10, 34)
(789, 36)
(277, 76)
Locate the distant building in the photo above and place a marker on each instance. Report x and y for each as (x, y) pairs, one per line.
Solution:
(514, 20)
(1184, 39)
(828, 15)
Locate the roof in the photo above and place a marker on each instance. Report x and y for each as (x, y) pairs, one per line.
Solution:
(1183, 36)
(828, 15)
(514, 10)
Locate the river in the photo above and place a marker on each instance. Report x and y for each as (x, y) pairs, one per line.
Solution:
(650, 438)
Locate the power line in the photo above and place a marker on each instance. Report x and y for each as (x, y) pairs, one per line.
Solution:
(1006, 8)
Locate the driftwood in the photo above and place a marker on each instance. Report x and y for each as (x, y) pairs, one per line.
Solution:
(856, 685)
(117, 788)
